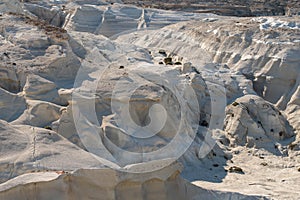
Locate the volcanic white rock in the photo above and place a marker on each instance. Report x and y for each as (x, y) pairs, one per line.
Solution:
(103, 100)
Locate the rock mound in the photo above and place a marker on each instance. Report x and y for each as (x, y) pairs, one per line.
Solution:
(252, 122)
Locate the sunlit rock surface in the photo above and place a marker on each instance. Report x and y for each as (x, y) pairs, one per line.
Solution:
(227, 87)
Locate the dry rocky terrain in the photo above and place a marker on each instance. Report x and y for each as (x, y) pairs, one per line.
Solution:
(240, 8)
(105, 100)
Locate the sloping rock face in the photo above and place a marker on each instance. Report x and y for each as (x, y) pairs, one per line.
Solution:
(262, 51)
(39, 88)
(11, 6)
(52, 15)
(250, 121)
(240, 46)
(109, 20)
(264, 125)
(165, 184)
(11, 105)
(271, 63)
(228, 7)
(38, 49)
(28, 149)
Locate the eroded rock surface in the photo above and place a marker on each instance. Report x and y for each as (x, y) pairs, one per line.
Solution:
(228, 88)
(251, 121)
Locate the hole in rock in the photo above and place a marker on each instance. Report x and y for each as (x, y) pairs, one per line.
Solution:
(162, 52)
(204, 123)
(281, 133)
(235, 103)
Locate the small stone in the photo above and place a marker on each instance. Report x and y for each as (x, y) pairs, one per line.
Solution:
(168, 61)
(235, 103)
(264, 164)
(235, 169)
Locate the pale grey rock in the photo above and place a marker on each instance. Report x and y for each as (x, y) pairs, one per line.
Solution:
(9, 78)
(292, 110)
(163, 184)
(87, 19)
(267, 58)
(54, 15)
(187, 67)
(38, 88)
(253, 122)
(271, 62)
(44, 150)
(11, 105)
(65, 126)
(43, 61)
(227, 7)
(65, 95)
(110, 55)
(293, 114)
(110, 20)
(32, 50)
(39, 114)
(264, 61)
(11, 6)
(26, 148)
(231, 83)
(91, 2)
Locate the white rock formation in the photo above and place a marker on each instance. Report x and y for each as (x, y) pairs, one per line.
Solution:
(54, 15)
(39, 114)
(39, 88)
(11, 105)
(38, 151)
(10, 6)
(271, 63)
(8, 77)
(25, 149)
(110, 20)
(252, 122)
(186, 74)
(109, 184)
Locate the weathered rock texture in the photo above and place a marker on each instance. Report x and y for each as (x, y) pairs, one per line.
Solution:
(239, 113)
(228, 7)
